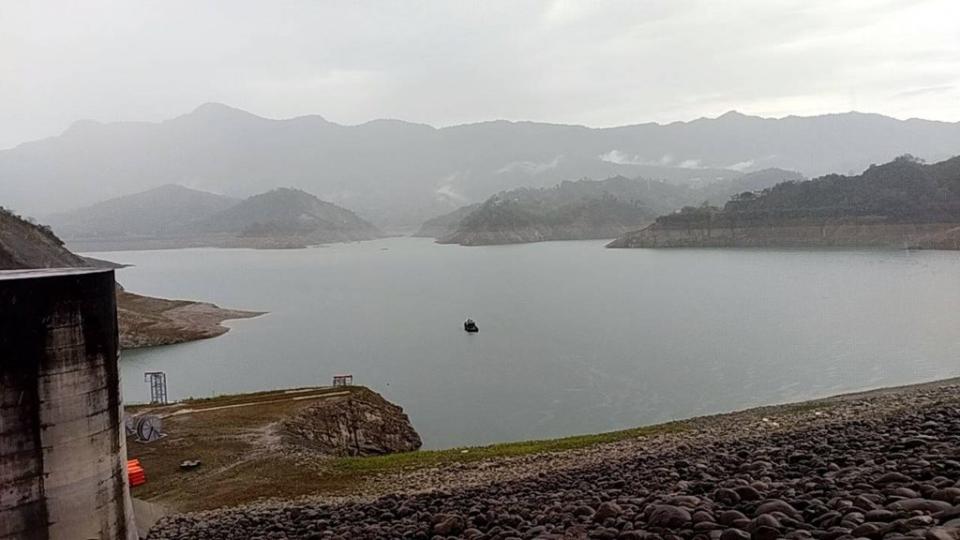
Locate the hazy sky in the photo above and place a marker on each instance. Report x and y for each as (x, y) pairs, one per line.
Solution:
(447, 62)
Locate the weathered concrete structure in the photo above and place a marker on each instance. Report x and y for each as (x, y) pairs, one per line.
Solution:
(62, 445)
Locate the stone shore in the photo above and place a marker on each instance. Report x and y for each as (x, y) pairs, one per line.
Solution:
(834, 233)
(878, 465)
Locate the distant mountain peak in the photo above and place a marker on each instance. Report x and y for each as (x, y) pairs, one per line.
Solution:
(170, 187)
(215, 110)
(82, 126)
(288, 191)
(85, 122)
(734, 115)
(213, 107)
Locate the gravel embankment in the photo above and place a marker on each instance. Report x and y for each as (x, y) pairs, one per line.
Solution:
(882, 465)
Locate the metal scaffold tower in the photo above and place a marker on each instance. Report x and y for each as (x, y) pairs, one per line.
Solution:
(158, 386)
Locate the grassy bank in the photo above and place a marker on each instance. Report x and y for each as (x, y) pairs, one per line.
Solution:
(434, 458)
(246, 461)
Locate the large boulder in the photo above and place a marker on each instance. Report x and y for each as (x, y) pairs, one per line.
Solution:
(359, 422)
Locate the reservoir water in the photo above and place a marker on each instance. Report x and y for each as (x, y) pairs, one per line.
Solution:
(574, 338)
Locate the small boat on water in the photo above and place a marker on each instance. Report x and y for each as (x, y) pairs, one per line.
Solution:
(470, 326)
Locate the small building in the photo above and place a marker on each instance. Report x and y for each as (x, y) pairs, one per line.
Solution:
(342, 380)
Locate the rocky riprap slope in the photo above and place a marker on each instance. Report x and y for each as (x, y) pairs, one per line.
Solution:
(874, 466)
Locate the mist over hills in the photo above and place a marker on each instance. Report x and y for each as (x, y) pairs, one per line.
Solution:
(445, 224)
(289, 212)
(903, 190)
(569, 211)
(400, 173)
(720, 192)
(160, 211)
(584, 209)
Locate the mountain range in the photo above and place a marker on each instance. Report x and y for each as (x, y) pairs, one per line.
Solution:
(399, 174)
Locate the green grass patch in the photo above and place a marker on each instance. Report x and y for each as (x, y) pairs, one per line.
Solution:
(431, 458)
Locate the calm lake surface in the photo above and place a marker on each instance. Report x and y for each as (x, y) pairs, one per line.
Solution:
(574, 338)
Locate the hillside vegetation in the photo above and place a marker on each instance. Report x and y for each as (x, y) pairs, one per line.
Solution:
(904, 190)
(570, 211)
(903, 203)
(27, 245)
(585, 209)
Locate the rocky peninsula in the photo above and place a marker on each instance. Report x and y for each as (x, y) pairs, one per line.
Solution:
(146, 321)
(878, 465)
(265, 444)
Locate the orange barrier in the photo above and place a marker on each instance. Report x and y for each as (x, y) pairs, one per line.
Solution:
(135, 473)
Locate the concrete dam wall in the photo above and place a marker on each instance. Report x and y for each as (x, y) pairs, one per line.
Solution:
(62, 443)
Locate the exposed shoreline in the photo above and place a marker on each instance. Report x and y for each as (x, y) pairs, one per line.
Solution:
(876, 464)
(847, 233)
(221, 241)
(145, 321)
(532, 235)
(463, 471)
(493, 470)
